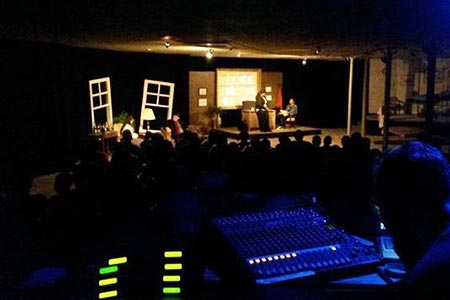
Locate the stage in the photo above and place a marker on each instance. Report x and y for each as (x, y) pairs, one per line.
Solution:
(233, 132)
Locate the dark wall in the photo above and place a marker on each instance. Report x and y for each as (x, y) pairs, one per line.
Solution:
(45, 110)
(44, 100)
(321, 91)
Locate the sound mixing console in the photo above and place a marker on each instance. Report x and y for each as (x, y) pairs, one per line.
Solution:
(272, 246)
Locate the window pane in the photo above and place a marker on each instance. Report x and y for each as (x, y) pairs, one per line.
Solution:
(165, 89)
(96, 101)
(95, 88)
(152, 88)
(163, 100)
(103, 86)
(152, 99)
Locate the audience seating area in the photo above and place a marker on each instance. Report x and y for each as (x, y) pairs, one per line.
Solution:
(157, 195)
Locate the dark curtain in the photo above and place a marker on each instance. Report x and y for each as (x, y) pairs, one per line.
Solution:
(45, 110)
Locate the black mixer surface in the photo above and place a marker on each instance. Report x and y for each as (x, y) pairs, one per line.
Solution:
(273, 246)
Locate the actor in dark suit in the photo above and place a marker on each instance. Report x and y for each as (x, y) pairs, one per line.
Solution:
(262, 111)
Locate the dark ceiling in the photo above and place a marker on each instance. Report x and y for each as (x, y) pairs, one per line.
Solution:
(275, 29)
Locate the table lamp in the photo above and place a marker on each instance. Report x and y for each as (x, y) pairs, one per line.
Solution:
(148, 115)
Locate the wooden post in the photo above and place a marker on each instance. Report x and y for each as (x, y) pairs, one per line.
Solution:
(350, 86)
(387, 59)
(365, 96)
(431, 76)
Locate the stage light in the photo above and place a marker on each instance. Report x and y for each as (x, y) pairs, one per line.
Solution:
(209, 54)
(317, 50)
(304, 61)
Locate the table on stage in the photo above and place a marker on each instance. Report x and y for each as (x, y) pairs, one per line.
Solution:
(105, 138)
(251, 118)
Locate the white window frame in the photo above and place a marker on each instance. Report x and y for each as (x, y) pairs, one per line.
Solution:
(107, 105)
(146, 93)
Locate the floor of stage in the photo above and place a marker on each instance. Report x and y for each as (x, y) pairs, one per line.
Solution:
(232, 132)
(336, 134)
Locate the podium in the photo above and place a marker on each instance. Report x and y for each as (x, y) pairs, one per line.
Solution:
(251, 118)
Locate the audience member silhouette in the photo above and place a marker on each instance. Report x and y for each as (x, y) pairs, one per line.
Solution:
(60, 202)
(316, 141)
(133, 190)
(244, 140)
(345, 142)
(299, 136)
(327, 150)
(327, 140)
(127, 143)
(412, 184)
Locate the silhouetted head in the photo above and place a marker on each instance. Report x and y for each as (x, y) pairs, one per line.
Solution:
(412, 184)
(265, 144)
(63, 182)
(254, 140)
(298, 135)
(148, 135)
(284, 140)
(127, 136)
(316, 141)
(345, 141)
(327, 141)
(356, 136)
(244, 136)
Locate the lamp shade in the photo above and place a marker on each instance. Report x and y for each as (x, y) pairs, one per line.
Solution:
(148, 114)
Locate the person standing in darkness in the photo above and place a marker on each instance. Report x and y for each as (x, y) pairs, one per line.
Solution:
(174, 128)
(380, 116)
(262, 111)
